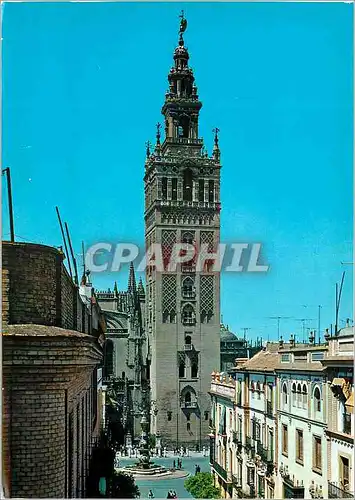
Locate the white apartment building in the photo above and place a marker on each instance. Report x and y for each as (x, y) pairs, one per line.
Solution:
(256, 414)
(290, 431)
(339, 372)
(302, 418)
(222, 447)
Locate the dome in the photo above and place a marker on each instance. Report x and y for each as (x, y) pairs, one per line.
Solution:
(227, 336)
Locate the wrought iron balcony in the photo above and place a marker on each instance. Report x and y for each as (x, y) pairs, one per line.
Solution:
(183, 140)
(188, 268)
(269, 412)
(188, 321)
(338, 491)
(347, 423)
(237, 437)
(237, 482)
(261, 451)
(188, 404)
(188, 294)
(248, 442)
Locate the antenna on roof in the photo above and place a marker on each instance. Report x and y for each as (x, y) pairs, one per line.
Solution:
(72, 254)
(9, 196)
(65, 242)
(278, 323)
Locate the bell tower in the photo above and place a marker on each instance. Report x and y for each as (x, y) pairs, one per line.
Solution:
(182, 205)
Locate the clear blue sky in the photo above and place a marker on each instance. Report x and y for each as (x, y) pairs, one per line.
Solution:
(83, 86)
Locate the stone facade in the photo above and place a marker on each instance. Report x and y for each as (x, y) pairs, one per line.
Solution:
(182, 205)
(50, 417)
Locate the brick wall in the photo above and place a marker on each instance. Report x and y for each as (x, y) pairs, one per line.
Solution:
(32, 273)
(37, 288)
(48, 415)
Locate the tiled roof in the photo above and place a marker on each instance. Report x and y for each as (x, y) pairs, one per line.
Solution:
(262, 361)
(303, 367)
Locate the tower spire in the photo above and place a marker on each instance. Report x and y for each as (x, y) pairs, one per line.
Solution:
(131, 279)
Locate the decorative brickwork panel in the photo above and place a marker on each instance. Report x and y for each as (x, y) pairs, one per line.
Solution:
(169, 293)
(168, 238)
(207, 238)
(206, 297)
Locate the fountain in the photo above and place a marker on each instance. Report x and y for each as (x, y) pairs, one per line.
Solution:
(145, 468)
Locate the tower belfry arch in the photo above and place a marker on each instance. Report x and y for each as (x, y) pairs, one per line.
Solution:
(182, 205)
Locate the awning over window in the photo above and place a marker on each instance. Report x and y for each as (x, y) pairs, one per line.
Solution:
(338, 382)
(342, 384)
(349, 405)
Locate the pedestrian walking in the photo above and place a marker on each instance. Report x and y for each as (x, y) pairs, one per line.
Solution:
(174, 464)
(150, 494)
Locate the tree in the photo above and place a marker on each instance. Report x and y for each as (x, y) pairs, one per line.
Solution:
(123, 486)
(201, 486)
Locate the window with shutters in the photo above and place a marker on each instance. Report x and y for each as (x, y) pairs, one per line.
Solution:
(299, 446)
(317, 454)
(344, 472)
(284, 439)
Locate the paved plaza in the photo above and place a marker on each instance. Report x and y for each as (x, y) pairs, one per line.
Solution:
(160, 487)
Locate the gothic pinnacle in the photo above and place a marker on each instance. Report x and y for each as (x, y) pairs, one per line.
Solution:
(157, 145)
(216, 152)
(147, 145)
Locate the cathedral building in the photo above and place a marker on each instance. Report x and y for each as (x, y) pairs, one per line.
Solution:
(182, 205)
(126, 350)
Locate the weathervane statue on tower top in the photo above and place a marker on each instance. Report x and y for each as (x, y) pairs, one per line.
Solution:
(183, 26)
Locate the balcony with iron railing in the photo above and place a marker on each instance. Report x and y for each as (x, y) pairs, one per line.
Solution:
(237, 482)
(237, 437)
(188, 268)
(183, 140)
(248, 442)
(261, 451)
(336, 490)
(188, 404)
(347, 423)
(188, 294)
(186, 320)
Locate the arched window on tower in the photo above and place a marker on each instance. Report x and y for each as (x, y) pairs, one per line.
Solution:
(187, 185)
(201, 190)
(188, 315)
(188, 289)
(188, 340)
(188, 397)
(174, 189)
(164, 188)
(182, 369)
(211, 191)
(184, 125)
